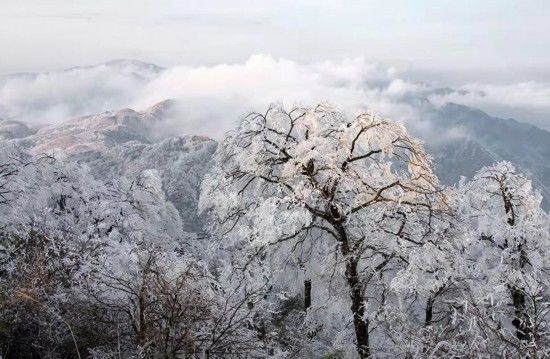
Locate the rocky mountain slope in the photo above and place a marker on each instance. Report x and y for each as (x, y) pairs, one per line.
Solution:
(486, 140)
(125, 143)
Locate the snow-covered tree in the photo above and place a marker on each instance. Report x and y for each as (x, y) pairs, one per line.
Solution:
(104, 268)
(46, 233)
(332, 193)
(507, 261)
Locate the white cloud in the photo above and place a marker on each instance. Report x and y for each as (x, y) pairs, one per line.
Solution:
(56, 96)
(212, 98)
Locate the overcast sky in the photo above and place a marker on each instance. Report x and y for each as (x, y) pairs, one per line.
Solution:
(506, 37)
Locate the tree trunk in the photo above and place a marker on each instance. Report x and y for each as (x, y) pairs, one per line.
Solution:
(358, 309)
(307, 294)
(141, 332)
(521, 322)
(429, 312)
(360, 325)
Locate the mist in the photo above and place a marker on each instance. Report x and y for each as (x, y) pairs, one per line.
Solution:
(210, 99)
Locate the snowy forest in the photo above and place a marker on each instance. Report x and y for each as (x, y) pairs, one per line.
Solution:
(307, 232)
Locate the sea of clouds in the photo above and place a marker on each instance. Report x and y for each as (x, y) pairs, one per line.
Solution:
(210, 99)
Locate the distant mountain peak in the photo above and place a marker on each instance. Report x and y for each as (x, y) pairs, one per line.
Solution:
(136, 66)
(161, 109)
(135, 63)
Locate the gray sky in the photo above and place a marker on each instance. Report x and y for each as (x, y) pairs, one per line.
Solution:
(503, 37)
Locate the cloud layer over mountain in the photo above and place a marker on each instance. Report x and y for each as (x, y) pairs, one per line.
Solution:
(211, 99)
